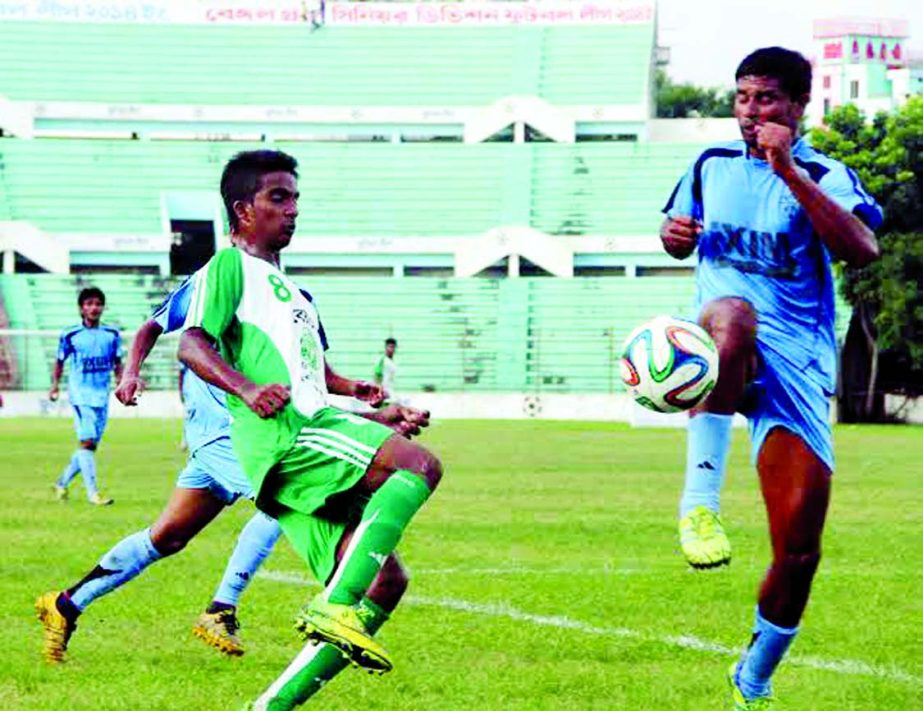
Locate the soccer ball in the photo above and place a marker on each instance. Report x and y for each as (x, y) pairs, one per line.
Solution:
(669, 364)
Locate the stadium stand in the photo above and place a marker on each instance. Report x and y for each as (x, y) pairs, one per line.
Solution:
(369, 206)
(512, 335)
(353, 189)
(293, 65)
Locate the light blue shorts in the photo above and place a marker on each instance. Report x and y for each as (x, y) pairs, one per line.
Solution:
(214, 467)
(90, 422)
(784, 396)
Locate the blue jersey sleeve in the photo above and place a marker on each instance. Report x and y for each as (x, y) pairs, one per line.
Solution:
(842, 185)
(682, 200)
(65, 346)
(171, 314)
(118, 353)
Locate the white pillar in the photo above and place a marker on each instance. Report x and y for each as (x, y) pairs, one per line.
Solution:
(9, 262)
(513, 263)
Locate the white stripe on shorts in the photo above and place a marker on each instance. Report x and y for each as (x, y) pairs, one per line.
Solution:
(334, 444)
(317, 447)
(339, 435)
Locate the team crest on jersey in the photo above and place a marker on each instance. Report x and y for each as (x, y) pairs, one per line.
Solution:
(788, 204)
(305, 317)
(308, 344)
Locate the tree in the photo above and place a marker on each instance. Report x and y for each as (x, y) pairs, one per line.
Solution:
(690, 101)
(884, 345)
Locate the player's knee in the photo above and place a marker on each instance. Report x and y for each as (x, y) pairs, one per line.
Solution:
(801, 563)
(731, 322)
(431, 470)
(168, 541)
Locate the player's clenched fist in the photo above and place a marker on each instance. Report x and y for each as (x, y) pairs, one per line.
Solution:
(775, 141)
(679, 235)
(129, 389)
(265, 400)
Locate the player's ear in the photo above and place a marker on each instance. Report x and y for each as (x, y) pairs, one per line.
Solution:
(244, 212)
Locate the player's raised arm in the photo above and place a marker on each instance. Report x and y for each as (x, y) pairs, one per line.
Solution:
(197, 352)
(846, 236)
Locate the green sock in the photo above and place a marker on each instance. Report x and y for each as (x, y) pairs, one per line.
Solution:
(383, 521)
(314, 666)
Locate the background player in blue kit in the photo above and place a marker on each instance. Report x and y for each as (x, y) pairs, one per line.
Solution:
(766, 215)
(94, 352)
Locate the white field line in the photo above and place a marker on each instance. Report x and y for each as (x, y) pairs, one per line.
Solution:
(850, 667)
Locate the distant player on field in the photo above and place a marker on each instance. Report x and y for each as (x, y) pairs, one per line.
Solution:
(385, 373)
(211, 481)
(343, 488)
(94, 352)
(766, 215)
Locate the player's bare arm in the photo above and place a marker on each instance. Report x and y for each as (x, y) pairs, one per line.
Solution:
(406, 421)
(56, 374)
(359, 389)
(196, 351)
(845, 235)
(680, 235)
(130, 384)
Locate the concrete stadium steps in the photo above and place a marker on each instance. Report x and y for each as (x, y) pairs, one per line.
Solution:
(540, 334)
(334, 66)
(353, 189)
(606, 188)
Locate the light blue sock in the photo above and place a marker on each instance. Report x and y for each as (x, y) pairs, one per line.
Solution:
(123, 562)
(708, 439)
(770, 642)
(70, 471)
(253, 546)
(87, 464)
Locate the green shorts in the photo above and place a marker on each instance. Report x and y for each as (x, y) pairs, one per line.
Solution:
(303, 491)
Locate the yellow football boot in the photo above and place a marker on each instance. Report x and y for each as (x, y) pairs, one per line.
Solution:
(219, 630)
(703, 540)
(57, 628)
(741, 703)
(343, 627)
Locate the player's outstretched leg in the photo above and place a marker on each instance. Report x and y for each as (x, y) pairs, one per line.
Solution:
(732, 325)
(796, 489)
(67, 476)
(188, 511)
(218, 625)
(402, 477)
(317, 664)
(86, 457)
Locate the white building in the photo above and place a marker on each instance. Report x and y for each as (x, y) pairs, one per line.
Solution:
(865, 62)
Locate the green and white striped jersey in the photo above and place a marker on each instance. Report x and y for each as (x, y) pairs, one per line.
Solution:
(270, 331)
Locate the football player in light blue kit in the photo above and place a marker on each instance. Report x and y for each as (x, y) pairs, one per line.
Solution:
(766, 215)
(211, 480)
(94, 352)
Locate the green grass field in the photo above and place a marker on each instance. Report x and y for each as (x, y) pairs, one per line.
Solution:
(545, 576)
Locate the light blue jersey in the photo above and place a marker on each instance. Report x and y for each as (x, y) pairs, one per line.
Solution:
(758, 244)
(92, 354)
(207, 417)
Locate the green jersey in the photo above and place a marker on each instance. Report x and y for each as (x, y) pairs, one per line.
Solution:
(269, 330)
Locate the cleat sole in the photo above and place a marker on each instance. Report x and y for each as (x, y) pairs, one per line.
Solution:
(222, 645)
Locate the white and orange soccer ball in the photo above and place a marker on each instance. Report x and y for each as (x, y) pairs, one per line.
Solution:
(669, 364)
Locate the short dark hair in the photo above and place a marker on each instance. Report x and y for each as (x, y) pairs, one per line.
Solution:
(390, 341)
(791, 69)
(89, 293)
(242, 177)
